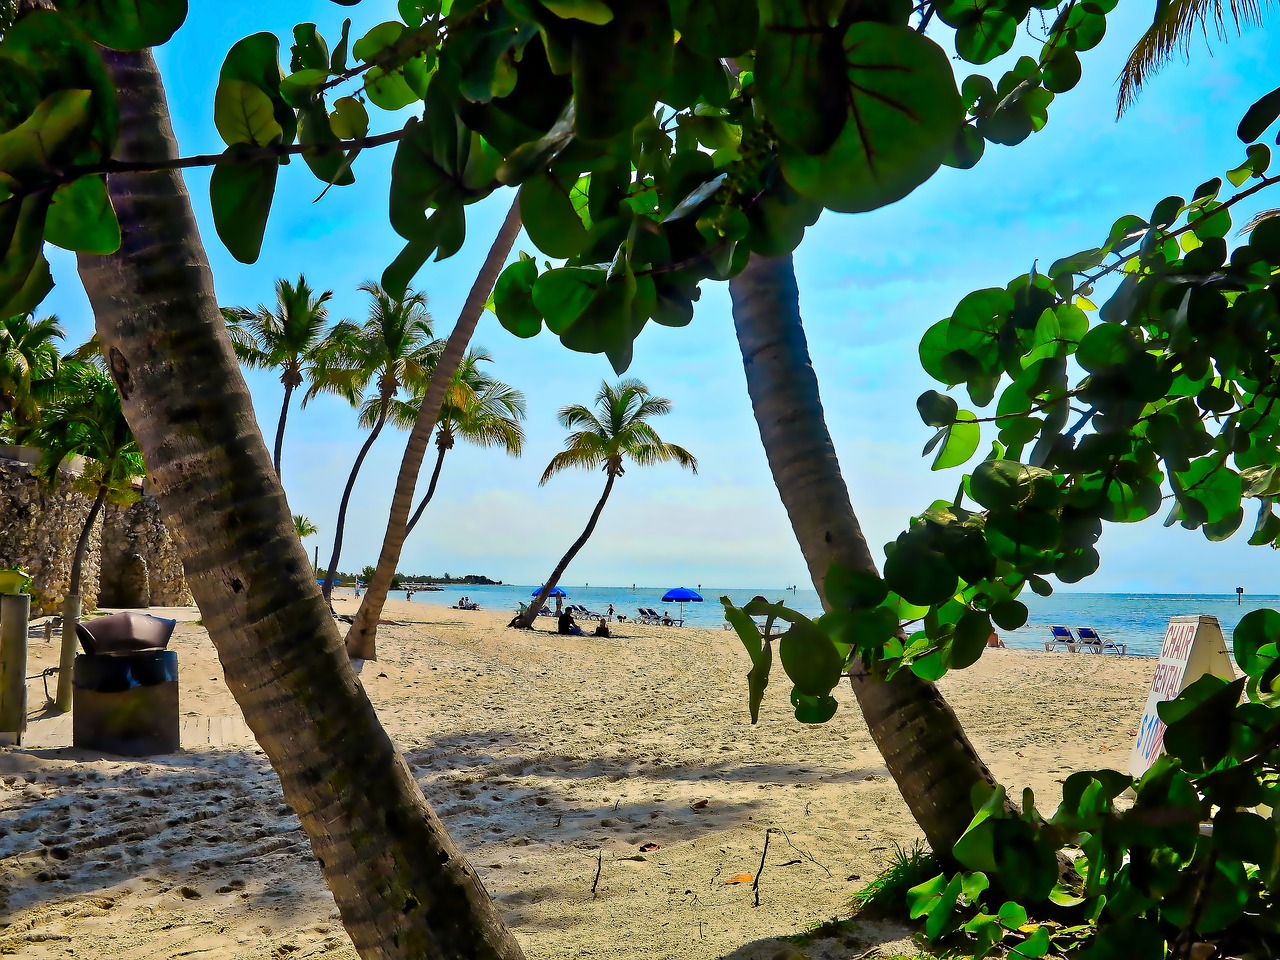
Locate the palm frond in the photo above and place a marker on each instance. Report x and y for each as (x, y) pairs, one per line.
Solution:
(1260, 217)
(566, 459)
(1175, 25)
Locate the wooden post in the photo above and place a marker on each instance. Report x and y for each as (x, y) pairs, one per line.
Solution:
(67, 661)
(15, 609)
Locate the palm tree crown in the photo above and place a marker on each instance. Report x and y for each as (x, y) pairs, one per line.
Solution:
(291, 338)
(28, 359)
(616, 430)
(286, 338)
(394, 349)
(304, 526)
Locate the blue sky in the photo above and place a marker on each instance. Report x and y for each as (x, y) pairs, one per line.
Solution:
(870, 285)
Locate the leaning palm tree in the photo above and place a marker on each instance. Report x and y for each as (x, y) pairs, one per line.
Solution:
(1175, 24)
(28, 361)
(287, 339)
(86, 420)
(394, 350)
(618, 430)
(477, 408)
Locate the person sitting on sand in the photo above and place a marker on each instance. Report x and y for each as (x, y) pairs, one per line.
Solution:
(567, 625)
(602, 629)
(995, 641)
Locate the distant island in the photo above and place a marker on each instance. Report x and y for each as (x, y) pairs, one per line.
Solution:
(471, 580)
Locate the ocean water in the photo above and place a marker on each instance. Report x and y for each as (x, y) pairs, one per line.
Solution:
(1138, 620)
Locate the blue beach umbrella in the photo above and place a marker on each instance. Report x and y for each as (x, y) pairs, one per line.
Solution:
(681, 595)
(557, 592)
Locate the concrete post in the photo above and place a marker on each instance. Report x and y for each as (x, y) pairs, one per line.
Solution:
(15, 610)
(67, 661)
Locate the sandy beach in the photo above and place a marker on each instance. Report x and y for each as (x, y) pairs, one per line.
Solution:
(545, 755)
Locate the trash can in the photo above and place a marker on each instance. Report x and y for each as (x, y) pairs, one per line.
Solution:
(125, 686)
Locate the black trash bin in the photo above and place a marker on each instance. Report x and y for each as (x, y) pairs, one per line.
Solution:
(125, 686)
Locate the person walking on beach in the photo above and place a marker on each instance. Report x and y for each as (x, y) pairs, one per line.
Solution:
(609, 616)
(559, 605)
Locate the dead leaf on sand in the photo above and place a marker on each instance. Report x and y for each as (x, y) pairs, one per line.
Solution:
(699, 804)
(740, 878)
(646, 847)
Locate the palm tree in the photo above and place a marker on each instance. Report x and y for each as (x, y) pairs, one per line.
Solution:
(477, 408)
(86, 420)
(402, 885)
(395, 349)
(28, 361)
(304, 526)
(924, 746)
(288, 338)
(1171, 33)
(361, 640)
(619, 430)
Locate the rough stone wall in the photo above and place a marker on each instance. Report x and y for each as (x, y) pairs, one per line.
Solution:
(138, 531)
(39, 528)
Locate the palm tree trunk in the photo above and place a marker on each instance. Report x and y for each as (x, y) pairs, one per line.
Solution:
(402, 886)
(341, 524)
(525, 620)
(431, 492)
(924, 746)
(284, 415)
(71, 607)
(361, 638)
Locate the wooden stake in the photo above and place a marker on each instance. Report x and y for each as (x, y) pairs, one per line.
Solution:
(599, 866)
(755, 884)
(15, 608)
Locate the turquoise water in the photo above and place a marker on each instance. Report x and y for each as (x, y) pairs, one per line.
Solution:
(1136, 619)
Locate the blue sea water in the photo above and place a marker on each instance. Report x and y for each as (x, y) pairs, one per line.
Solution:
(1138, 620)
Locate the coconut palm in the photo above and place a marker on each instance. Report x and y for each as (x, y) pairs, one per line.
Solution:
(394, 350)
(477, 408)
(86, 420)
(304, 526)
(617, 431)
(1175, 24)
(385, 854)
(288, 338)
(28, 361)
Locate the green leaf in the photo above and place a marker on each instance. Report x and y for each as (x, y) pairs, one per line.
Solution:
(349, 119)
(920, 575)
(1214, 486)
(56, 131)
(1256, 630)
(905, 110)
(813, 709)
(300, 88)
(549, 217)
(127, 24)
(390, 91)
(244, 114)
(333, 165)
(241, 195)
(810, 659)
(962, 442)
(33, 290)
(1012, 915)
(21, 239)
(255, 60)
(1034, 947)
(377, 40)
(82, 219)
(922, 897)
(801, 78)
(937, 409)
(513, 299)
(620, 68)
(401, 271)
(717, 28)
(55, 60)
(591, 11)
(852, 589)
(309, 51)
(561, 295)
(1258, 117)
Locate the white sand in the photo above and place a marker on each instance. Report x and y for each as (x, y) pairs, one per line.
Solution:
(541, 753)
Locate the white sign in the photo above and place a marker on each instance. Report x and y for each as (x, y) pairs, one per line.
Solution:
(1193, 646)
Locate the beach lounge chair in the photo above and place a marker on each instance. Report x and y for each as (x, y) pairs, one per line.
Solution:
(1091, 641)
(1062, 637)
(653, 615)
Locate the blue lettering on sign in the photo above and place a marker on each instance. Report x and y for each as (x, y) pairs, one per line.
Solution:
(1150, 736)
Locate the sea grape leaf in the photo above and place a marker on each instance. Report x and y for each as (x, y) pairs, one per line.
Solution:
(621, 67)
(241, 194)
(904, 110)
(244, 114)
(82, 219)
(126, 24)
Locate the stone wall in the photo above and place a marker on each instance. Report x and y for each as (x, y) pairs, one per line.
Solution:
(39, 528)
